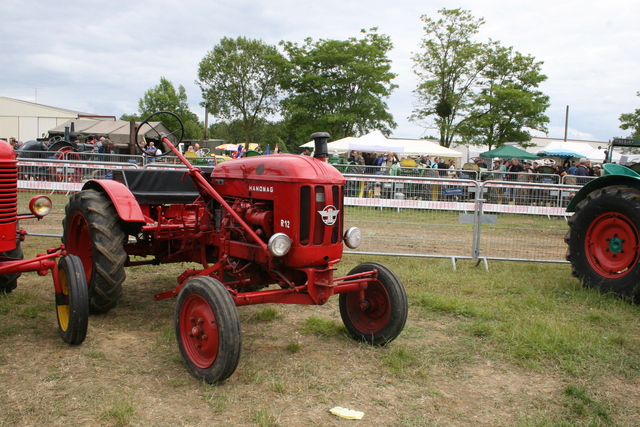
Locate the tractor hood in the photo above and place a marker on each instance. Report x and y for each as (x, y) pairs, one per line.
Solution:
(613, 175)
(279, 167)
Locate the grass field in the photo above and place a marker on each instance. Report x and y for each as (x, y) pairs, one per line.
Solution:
(519, 345)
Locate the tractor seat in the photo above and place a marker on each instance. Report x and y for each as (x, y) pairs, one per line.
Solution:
(158, 187)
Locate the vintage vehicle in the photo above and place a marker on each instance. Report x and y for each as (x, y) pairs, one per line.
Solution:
(265, 229)
(71, 292)
(604, 235)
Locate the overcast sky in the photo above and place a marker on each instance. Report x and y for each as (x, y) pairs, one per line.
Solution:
(100, 57)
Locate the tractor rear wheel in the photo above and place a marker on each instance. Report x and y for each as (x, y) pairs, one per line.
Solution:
(380, 317)
(604, 241)
(208, 329)
(92, 231)
(72, 305)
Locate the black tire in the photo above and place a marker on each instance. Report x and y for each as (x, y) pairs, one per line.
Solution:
(604, 241)
(72, 304)
(92, 231)
(381, 317)
(8, 282)
(208, 329)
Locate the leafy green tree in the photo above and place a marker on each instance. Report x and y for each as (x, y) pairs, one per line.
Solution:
(448, 68)
(338, 86)
(164, 97)
(631, 121)
(508, 102)
(239, 80)
(482, 93)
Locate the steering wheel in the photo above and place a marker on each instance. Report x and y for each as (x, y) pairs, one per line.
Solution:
(203, 152)
(174, 136)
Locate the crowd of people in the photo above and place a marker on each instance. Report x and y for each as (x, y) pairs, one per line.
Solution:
(583, 169)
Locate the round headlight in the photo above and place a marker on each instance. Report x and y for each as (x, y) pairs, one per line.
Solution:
(279, 244)
(353, 237)
(40, 206)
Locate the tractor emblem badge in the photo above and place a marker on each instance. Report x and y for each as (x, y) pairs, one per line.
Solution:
(329, 215)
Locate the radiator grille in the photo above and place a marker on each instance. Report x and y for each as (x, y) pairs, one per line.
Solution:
(8, 193)
(313, 200)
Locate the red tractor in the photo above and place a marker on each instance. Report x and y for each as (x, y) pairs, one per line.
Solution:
(70, 283)
(265, 229)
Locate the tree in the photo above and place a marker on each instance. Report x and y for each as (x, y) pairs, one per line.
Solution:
(481, 92)
(508, 102)
(448, 68)
(631, 121)
(164, 97)
(338, 86)
(239, 80)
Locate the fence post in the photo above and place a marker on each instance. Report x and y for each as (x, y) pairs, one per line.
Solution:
(477, 223)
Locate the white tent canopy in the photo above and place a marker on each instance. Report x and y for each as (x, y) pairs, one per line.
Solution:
(376, 142)
(424, 146)
(340, 145)
(593, 154)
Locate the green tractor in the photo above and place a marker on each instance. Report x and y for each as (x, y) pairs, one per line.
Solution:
(604, 235)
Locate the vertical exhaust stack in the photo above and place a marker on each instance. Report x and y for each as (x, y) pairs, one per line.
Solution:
(321, 150)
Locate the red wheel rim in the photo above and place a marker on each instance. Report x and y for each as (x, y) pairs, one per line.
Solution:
(78, 242)
(61, 154)
(199, 331)
(611, 245)
(371, 315)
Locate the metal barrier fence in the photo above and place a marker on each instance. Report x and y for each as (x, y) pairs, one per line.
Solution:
(432, 215)
(458, 218)
(57, 179)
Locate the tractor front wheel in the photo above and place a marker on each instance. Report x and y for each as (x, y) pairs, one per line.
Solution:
(208, 329)
(604, 241)
(377, 315)
(72, 304)
(92, 231)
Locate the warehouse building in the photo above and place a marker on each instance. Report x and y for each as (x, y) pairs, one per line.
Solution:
(27, 120)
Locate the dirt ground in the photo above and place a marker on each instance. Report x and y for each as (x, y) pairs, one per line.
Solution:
(129, 371)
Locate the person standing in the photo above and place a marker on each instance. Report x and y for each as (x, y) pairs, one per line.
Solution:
(514, 169)
(582, 170)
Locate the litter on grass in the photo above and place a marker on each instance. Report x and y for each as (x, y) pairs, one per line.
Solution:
(349, 414)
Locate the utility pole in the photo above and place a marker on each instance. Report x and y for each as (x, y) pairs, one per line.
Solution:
(566, 124)
(206, 122)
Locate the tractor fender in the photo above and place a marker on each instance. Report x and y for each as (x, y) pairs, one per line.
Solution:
(123, 200)
(604, 181)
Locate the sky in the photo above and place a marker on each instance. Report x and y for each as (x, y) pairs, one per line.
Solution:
(101, 57)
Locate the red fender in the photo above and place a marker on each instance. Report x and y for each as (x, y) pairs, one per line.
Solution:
(125, 203)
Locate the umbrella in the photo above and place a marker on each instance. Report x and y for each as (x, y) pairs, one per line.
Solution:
(508, 152)
(227, 147)
(560, 152)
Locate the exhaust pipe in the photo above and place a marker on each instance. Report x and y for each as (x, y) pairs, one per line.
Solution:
(321, 150)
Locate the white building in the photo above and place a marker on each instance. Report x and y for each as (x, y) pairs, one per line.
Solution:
(27, 120)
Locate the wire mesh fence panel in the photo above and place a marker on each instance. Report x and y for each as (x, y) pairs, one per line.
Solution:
(411, 216)
(524, 237)
(524, 221)
(57, 179)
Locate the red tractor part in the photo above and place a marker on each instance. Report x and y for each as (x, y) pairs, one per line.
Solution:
(265, 229)
(71, 293)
